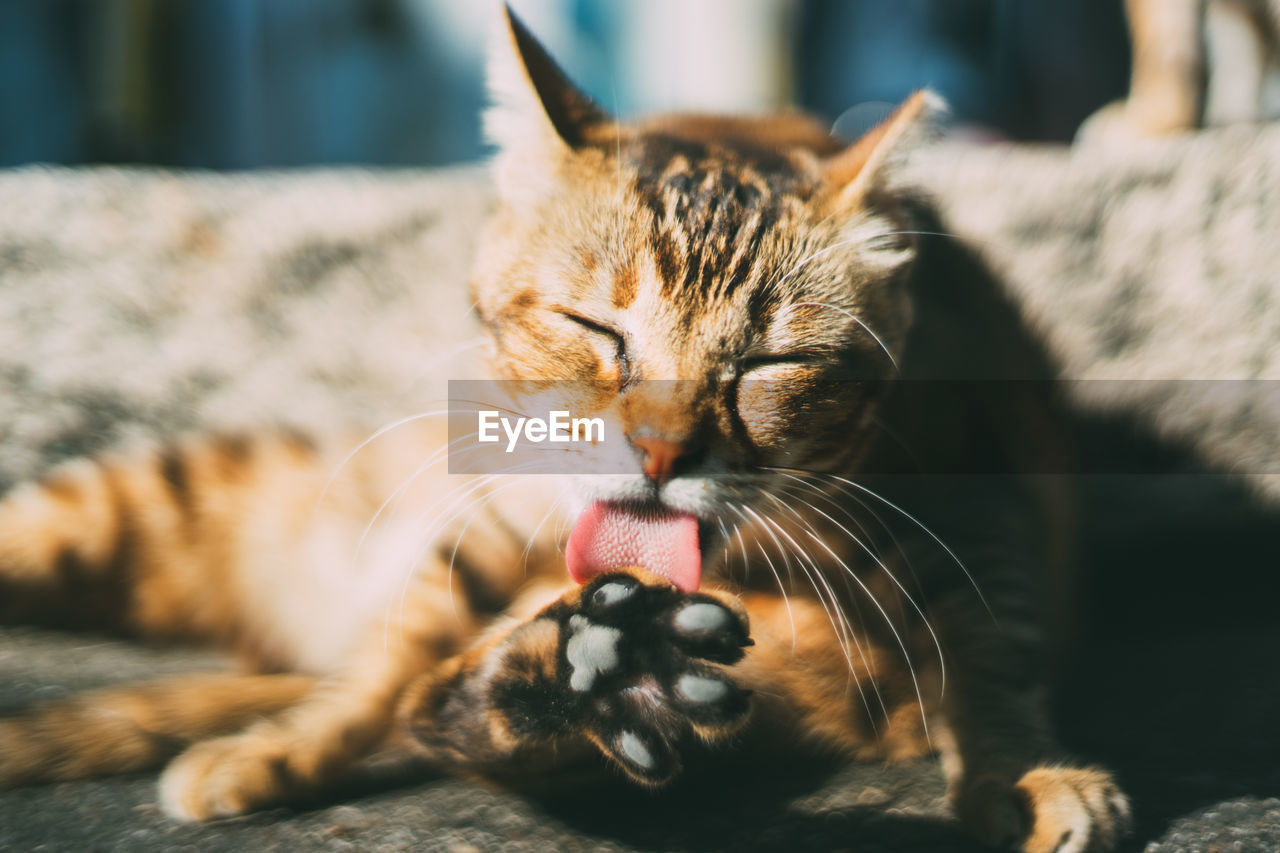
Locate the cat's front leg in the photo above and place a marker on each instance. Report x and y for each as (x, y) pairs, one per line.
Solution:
(626, 663)
(294, 755)
(1008, 780)
(303, 751)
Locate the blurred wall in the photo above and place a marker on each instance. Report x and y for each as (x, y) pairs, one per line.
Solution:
(236, 84)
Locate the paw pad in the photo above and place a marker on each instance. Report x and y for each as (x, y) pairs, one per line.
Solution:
(591, 650)
(700, 619)
(701, 690)
(613, 593)
(637, 658)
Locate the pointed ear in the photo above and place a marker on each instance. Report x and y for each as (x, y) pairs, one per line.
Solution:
(537, 114)
(851, 174)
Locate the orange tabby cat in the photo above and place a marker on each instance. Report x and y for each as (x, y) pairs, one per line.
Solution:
(789, 346)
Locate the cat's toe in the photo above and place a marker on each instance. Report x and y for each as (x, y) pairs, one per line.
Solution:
(1050, 809)
(1073, 810)
(222, 778)
(710, 628)
(645, 754)
(713, 703)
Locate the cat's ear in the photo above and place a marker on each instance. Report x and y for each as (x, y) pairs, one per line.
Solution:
(537, 115)
(854, 172)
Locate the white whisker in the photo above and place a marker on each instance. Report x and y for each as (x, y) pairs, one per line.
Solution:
(741, 510)
(942, 664)
(528, 546)
(902, 646)
(855, 318)
(931, 535)
(843, 631)
(378, 433)
(431, 461)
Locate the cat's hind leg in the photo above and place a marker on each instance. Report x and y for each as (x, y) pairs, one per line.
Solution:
(149, 544)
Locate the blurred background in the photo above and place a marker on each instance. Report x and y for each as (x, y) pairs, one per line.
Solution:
(245, 84)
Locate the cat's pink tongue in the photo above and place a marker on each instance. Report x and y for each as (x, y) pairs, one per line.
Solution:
(608, 537)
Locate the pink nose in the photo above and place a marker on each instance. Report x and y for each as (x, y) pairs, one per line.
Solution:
(660, 457)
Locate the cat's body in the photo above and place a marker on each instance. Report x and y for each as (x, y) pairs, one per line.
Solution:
(1196, 63)
(767, 309)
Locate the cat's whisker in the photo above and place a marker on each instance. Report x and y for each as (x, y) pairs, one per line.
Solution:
(724, 531)
(931, 534)
(917, 522)
(442, 520)
(758, 490)
(457, 542)
(795, 494)
(741, 510)
(968, 238)
(431, 461)
(374, 436)
(498, 406)
(843, 631)
(742, 547)
(942, 664)
(836, 505)
(845, 510)
(831, 247)
(429, 538)
(533, 537)
(902, 646)
(412, 563)
(855, 318)
(450, 514)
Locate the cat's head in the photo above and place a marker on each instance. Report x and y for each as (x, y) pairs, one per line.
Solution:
(737, 285)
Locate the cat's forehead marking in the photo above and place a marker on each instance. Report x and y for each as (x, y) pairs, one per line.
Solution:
(712, 208)
(626, 284)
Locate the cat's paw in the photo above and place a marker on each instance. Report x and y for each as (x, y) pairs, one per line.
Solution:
(226, 776)
(1073, 810)
(627, 661)
(1050, 809)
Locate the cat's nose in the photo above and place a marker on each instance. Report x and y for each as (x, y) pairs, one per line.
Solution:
(660, 456)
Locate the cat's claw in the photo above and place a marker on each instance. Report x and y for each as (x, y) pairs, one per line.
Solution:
(636, 671)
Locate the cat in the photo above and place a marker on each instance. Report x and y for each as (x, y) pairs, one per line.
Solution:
(812, 378)
(1196, 63)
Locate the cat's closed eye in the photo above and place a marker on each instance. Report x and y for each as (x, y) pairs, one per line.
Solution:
(771, 364)
(614, 342)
